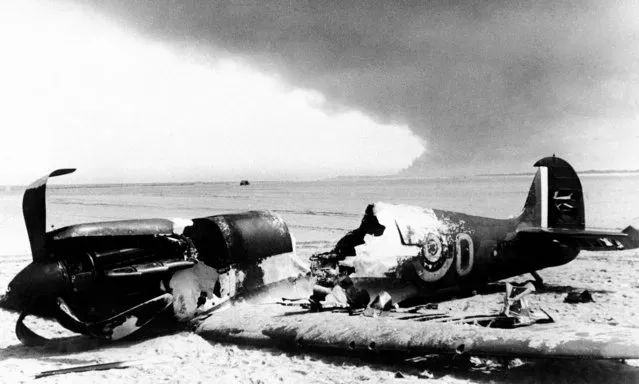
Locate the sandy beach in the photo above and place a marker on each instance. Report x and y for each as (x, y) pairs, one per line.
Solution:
(187, 358)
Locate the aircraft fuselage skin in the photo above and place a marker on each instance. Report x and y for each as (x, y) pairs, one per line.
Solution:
(485, 250)
(412, 250)
(454, 250)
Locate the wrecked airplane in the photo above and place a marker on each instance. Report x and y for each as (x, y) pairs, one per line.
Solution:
(108, 280)
(429, 250)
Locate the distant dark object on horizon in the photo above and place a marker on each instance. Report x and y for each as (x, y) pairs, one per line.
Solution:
(245, 182)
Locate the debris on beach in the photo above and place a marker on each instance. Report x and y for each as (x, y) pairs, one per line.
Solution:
(93, 367)
(577, 297)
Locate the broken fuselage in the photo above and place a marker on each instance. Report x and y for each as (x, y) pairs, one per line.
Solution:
(408, 250)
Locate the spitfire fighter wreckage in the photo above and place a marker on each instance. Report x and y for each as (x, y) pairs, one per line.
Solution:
(109, 279)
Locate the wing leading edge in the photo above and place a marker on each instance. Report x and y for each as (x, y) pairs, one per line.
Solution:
(272, 325)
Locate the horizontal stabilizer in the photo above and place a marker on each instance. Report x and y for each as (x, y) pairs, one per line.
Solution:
(587, 240)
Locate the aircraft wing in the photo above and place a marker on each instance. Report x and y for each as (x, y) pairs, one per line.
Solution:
(587, 240)
(275, 325)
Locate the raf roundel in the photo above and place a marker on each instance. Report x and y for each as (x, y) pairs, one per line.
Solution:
(433, 258)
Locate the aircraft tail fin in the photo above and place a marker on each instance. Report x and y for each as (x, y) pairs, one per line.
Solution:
(555, 199)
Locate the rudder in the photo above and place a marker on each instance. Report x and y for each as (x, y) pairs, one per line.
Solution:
(555, 199)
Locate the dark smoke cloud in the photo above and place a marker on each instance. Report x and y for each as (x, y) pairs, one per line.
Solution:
(488, 84)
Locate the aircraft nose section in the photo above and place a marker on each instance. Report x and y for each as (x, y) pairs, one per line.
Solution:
(36, 280)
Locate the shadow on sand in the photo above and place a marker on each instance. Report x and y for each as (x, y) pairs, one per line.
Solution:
(466, 368)
(61, 346)
(473, 369)
(554, 288)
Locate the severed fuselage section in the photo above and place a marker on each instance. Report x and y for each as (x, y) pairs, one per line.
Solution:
(412, 251)
(108, 279)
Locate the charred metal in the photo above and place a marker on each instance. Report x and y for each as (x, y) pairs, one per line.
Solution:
(108, 279)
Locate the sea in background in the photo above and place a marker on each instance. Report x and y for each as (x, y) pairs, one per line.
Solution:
(317, 212)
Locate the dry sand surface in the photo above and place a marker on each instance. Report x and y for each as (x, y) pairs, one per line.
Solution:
(185, 357)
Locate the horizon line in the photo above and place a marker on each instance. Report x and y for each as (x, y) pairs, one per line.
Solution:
(334, 178)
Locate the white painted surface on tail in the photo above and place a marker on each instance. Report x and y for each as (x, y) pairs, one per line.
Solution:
(544, 196)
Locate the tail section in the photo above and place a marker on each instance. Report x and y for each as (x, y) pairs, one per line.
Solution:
(554, 211)
(555, 199)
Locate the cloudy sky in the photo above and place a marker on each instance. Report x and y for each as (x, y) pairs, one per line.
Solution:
(207, 90)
